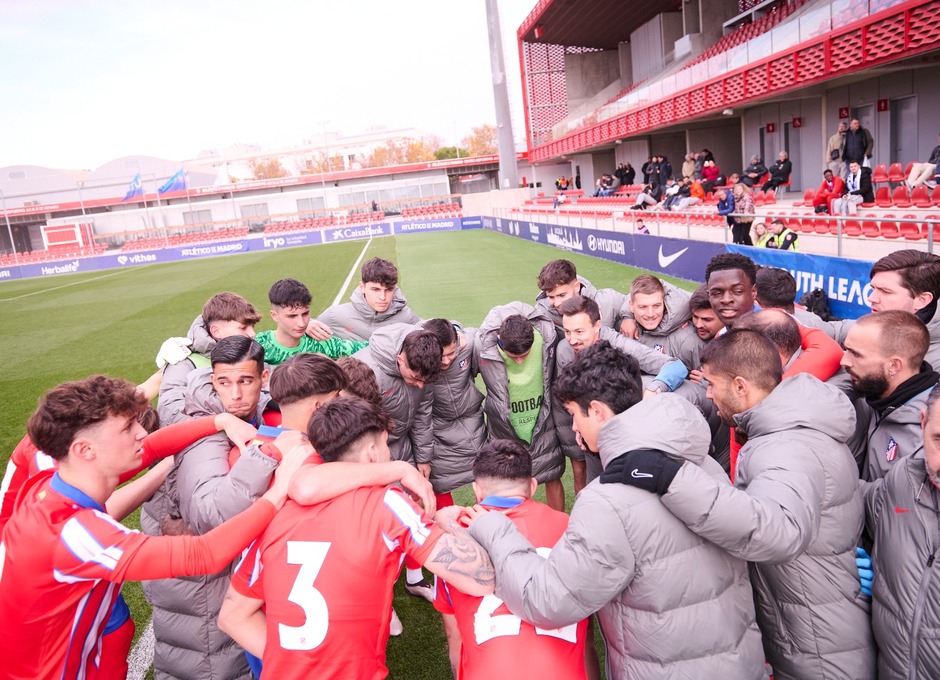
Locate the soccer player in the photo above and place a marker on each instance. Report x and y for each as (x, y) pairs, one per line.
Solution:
(65, 558)
(313, 595)
(290, 310)
(224, 314)
(670, 604)
(456, 411)
(492, 641)
(376, 302)
(559, 281)
(516, 355)
(661, 314)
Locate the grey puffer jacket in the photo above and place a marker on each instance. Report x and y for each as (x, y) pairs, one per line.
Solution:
(203, 491)
(671, 605)
(610, 302)
(904, 520)
(675, 315)
(408, 407)
(356, 320)
(795, 513)
(651, 362)
(457, 417)
(548, 462)
(898, 426)
(172, 399)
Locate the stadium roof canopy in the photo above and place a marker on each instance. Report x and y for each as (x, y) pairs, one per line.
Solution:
(601, 24)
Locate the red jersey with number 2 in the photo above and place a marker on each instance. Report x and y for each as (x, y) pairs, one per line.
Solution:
(496, 643)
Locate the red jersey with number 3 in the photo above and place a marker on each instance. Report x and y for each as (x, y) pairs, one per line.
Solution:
(325, 573)
(494, 642)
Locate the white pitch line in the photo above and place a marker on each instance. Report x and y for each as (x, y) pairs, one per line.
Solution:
(140, 659)
(352, 272)
(68, 285)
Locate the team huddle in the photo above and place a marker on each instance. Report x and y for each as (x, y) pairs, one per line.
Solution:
(757, 489)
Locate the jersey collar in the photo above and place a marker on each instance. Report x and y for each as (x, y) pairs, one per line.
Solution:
(270, 431)
(501, 502)
(74, 494)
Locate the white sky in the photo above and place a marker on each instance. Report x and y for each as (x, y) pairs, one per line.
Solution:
(84, 82)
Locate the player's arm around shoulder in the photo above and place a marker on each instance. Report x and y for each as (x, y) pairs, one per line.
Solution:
(592, 562)
(457, 558)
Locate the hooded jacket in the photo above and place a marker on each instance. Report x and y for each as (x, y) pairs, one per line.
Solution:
(671, 605)
(457, 417)
(548, 463)
(408, 407)
(203, 491)
(172, 398)
(795, 513)
(757, 167)
(609, 301)
(356, 320)
(675, 314)
(904, 520)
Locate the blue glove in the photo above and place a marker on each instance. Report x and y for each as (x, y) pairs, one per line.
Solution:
(866, 572)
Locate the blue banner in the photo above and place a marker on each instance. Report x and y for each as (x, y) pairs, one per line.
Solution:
(176, 183)
(681, 258)
(845, 281)
(408, 227)
(134, 189)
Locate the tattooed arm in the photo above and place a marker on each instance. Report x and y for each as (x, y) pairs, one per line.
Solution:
(460, 560)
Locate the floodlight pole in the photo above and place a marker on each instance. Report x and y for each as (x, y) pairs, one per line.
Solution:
(508, 168)
(9, 228)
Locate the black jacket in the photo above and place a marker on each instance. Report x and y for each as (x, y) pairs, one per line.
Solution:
(781, 170)
(857, 146)
(864, 186)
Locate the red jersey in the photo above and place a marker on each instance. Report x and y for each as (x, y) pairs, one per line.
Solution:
(496, 643)
(26, 460)
(59, 580)
(325, 573)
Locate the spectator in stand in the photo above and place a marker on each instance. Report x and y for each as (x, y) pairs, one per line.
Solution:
(641, 228)
(832, 187)
(671, 194)
(655, 172)
(696, 195)
(665, 168)
(613, 183)
(646, 169)
(699, 166)
(761, 236)
(924, 173)
(619, 172)
(709, 175)
(707, 155)
(784, 238)
(651, 195)
(779, 172)
(726, 205)
(559, 199)
(744, 209)
(577, 179)
(629, 175)
(834, 149)
(562, 183)
(857, 190)
(688, 165)
(731, 180)
(753, 172)
(858, 145)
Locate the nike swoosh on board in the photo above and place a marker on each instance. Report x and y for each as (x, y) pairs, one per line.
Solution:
(666, 260)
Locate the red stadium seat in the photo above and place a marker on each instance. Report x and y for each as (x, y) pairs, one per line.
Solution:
(890, 230)
(920, 197)
(883, 197)
(758, 197)
(931, 221)
(911, 232)
(870, 229)
(896, 173)
(851, 228)
(880, 174)
(808, 197)
(900, 197)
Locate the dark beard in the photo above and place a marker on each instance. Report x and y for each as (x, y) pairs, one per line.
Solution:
(872, 386)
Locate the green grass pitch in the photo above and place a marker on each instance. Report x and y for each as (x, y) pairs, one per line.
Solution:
(68, 327)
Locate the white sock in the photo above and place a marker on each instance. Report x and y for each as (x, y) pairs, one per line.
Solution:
(414, 575)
